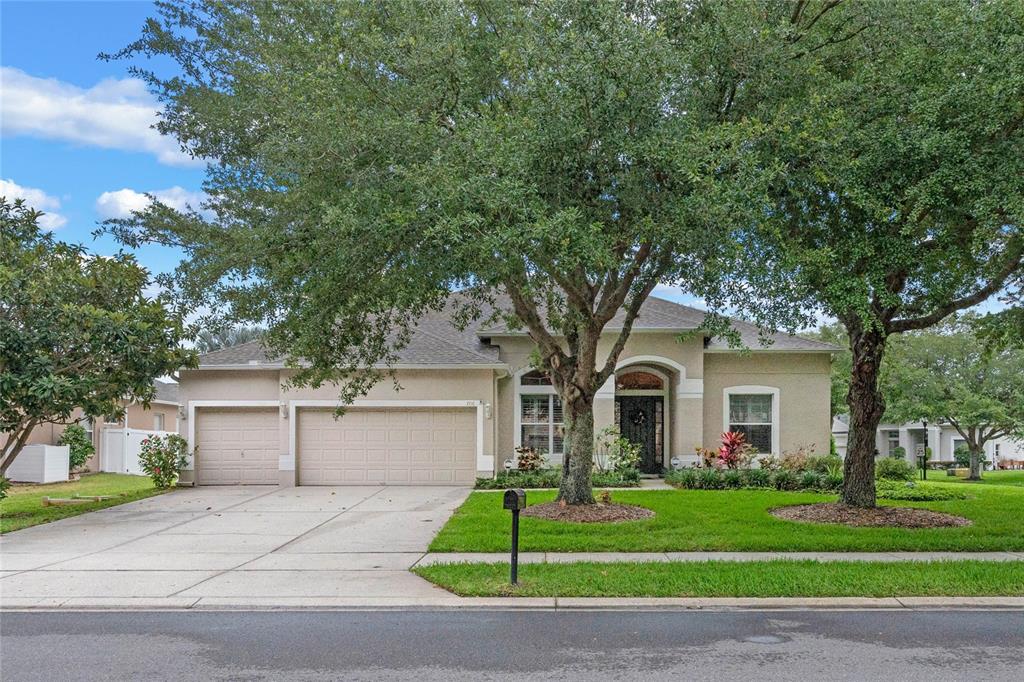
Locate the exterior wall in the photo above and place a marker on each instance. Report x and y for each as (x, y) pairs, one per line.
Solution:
(804, 386)
(266, 385)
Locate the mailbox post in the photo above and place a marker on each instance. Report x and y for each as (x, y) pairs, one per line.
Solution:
(515, 501)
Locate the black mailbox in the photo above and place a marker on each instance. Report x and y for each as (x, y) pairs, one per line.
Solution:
(515, 499)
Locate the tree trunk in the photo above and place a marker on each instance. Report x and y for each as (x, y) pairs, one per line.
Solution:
(866, 409)
(977, 454)
(578, 461)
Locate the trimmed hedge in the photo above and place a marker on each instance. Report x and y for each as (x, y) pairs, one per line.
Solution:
(549, 478)
(709, 478)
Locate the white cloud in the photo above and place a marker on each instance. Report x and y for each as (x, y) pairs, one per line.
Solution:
(114, 114)
(121, 203)
(37, 199)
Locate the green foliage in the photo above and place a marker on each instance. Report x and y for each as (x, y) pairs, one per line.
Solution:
(80, 447)
(917, 492)
(796, 460)
(962, 455)
(810, 480)
(758, 478)
(892, 469)
(549, 478)
(948, 374)
(823, 464)
(732, 478)
(620, 454)
(898, 452)
(4, 486)
(209, 340)
(163, 458)
(709, 479)
(76, 331)
(786, 479)
(842, 365)
(682, 478)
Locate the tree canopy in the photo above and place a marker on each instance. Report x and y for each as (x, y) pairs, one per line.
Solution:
(76, 331)
(904, 192)
(947, 375)
(209, 340)
(370, 158)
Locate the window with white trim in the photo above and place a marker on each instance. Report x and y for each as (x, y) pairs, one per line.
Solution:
(751, 415)
(541, 423)
(158, 421)
(892, 440)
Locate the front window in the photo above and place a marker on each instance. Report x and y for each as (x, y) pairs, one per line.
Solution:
(751, 415)
(158, 422)
(542, 426)
(893, 439)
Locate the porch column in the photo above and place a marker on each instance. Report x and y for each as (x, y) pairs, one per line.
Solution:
(907, 444)
(604, 406)
(934, 438)
(687, 420)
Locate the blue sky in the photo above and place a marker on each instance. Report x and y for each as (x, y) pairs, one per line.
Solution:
(76, 128)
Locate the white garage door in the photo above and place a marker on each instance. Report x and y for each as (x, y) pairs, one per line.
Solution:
(237, 446)
(397, 446)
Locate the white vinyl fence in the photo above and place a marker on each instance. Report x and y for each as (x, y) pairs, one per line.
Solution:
(119, 452)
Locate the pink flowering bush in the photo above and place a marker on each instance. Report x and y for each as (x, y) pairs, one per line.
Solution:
(163, 458)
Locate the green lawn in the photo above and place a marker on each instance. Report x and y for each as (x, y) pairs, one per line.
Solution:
(733, 520)
(24, 507)
(1013, 477)
(734, 579)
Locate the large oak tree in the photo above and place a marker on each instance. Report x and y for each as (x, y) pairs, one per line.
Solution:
(904, 193)
(371, 157)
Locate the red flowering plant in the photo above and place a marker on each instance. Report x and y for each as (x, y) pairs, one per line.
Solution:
(735, 452)
(163, 458)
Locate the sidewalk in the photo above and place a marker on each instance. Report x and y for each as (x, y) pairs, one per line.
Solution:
(431, 559)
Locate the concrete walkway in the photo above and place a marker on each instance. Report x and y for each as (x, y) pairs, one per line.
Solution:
(611, 557)
(232, 545)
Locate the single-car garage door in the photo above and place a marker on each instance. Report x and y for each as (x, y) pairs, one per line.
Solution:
(237, 446)
(396, 446)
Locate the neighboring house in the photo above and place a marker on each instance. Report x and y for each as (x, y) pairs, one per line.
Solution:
(161, 415)
(469, 397)
(913, 437)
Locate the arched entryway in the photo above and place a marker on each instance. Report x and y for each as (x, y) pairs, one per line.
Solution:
(641, 412)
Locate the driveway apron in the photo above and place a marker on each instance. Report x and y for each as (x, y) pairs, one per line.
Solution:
(233, 545)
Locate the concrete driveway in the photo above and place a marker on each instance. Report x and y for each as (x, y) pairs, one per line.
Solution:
(233, 546)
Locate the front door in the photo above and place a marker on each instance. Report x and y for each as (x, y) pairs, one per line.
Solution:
(639, 421)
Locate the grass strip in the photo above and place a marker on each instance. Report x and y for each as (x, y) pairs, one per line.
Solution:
(24, 508)
(735, 520)
(779, 578)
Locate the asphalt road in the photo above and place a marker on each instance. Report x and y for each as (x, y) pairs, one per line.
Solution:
(475, 645)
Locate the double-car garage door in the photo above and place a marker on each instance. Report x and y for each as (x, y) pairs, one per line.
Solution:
(370, 446)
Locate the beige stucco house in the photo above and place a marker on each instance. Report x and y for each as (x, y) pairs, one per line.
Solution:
(469, 397)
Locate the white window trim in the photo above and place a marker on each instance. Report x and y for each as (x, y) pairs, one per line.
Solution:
(730, 391)
(483, 462)
(550, 423)
(520, 391)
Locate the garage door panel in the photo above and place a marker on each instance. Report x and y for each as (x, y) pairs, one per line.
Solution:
(236, 446)
(397, 446)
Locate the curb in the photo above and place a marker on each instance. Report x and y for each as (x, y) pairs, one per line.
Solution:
(517, 604)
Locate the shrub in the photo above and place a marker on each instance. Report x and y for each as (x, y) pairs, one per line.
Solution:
(962, 455)
(894, 490)
(892, 469)
(615, 479)
(709, 479)
(785, 479)
(4, 485)
(735, 452)
(795, 460)
(832, 449)
(682, 478)
(537, 478)
(758, 478)
(163, 457)
(768, 463)
(822, 464)
(810, 480)
(79, 444)
(898, 452)
(732, 478)
(833, 480)
(623, 455)
(528, 459)
(708, 458)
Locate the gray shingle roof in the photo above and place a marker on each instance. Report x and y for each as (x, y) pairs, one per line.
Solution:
(166, 391)
(437, 341)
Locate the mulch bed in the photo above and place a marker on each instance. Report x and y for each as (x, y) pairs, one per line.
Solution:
(588, 513)
(892, 517)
